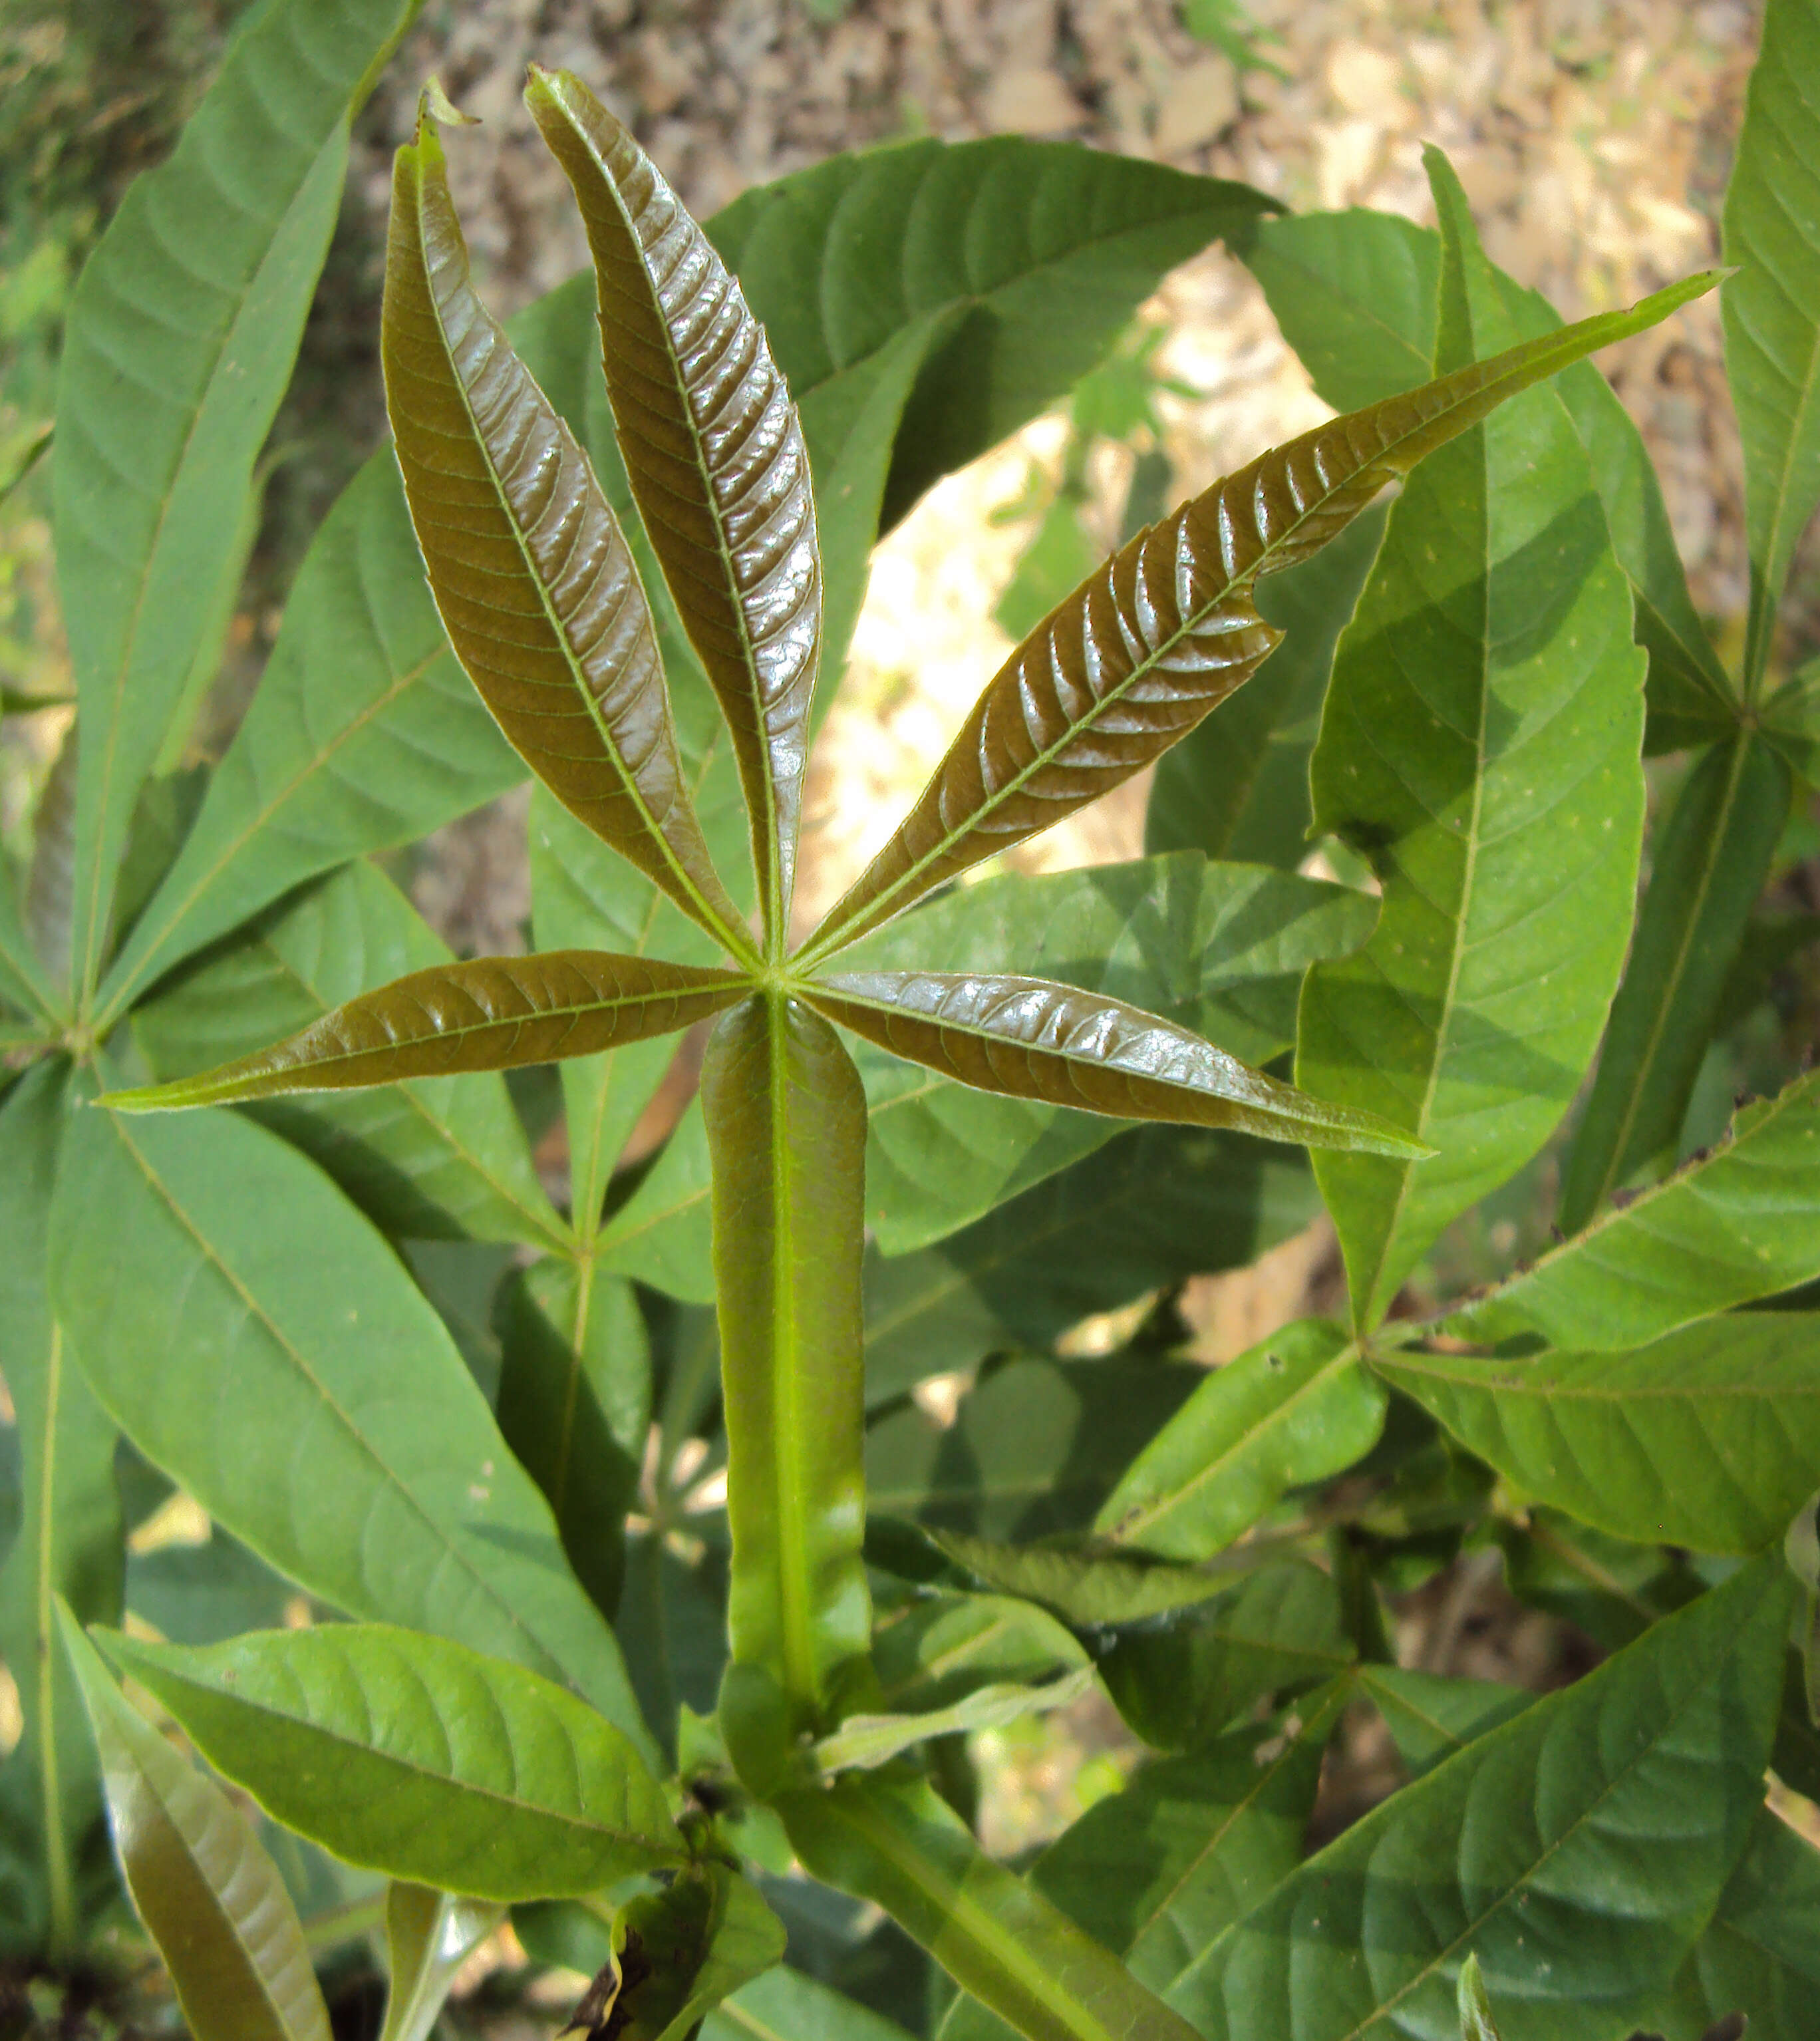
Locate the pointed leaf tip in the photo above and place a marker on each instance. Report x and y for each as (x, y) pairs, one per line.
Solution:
(435, 107)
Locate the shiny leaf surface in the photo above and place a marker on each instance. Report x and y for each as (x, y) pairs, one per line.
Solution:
(1458, 693)
(1163, 633)
(892, 1841)
(531, 575)
(1029, 1039)
(429, 1936)
(178, 343)
(1577, 1851)
(1709, 1438)
(492, 1013)
(786, 1126)
(714, 452)
(1740, 1223)
(1291, 1411)
(233, 1367)
(417, 1757)
(209, 1895)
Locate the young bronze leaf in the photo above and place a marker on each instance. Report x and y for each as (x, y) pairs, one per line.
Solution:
(715, 457)
(1152, 641)
(527, 564)
(1029, 1039)
(492, 1013)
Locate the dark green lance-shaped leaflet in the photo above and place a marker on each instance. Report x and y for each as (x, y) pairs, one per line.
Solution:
(386, 1491)
(209, 1895)
(1772, 308)
(1480, 745)
(1160, 635)
(68, 1543)
(429, 1936)
(1709, 861)
(179, 345)
(1295, 1409)
(1709, 1438)
(1578, 1851)
(1354, 293)
(888, 1838)
(786, 1124)
(416, 1756)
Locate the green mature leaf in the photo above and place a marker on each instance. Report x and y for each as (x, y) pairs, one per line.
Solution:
(1578, 1852)
(1154, 1205)
(1291, 1411)
(575, 1405)
(1162, 634)
(1033, 1449)
(417, 1757)
(864, 1741)
(1740, 1223)
(892, 1841)
(1239, 788)
(785, 2005)
(1028, 1038)
(1355, 292)
(1773, 306)
(386, 1491)
(22, 982)
(1181, 1683)
(678, 1952)
(1761, 1955)
(199, 1594)
(69, 1540)
(714, 452)
(1429, 1718)
(1085, 1583)
(176, 348)
(533, 578)
(211, 1898)
(1709, 1438)
(1485, 702)
(440, 1157)
(1709, 862)
(429, 1936)
(786, 1121)
(940, 1649)
(51, 877)
(1790, 721)
(489, 1013)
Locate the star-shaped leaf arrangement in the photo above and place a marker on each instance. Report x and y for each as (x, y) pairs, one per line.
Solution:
(537, 586)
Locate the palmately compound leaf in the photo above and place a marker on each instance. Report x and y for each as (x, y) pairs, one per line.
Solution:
(1481, 745)
(715, 454)
(529, 569)
(493, 1013)
(1162, 633)
(1773, 306)
(1578, 1852)
(417, 1757)
(210, 1896)
(1709, 1438)
(1028, 1038)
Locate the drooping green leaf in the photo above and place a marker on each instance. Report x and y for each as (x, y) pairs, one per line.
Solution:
(176, 348)
(891, 1840)
(785, 2005)
(488, 1014)
(714, 452)
(574, 1406)
(1163, 633)
(677, 1952)
(1239, 788)
(1709, 1438)
(69, 1541)
(1430, 1717)
(417, 1757)
(1154, 1205)
(865, 1740)
(1294, 1409)
(1577, 1851)
(208, 1894)
(386, 1491)
(1773, 306)
(939, 1648)
(533, 578)
(1082, 1582)
(1739, 1223)
(1354, 293)
(1709, 862)
(786, 1123)
(1485, 703)
(439, 1158)
(429, 1936)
